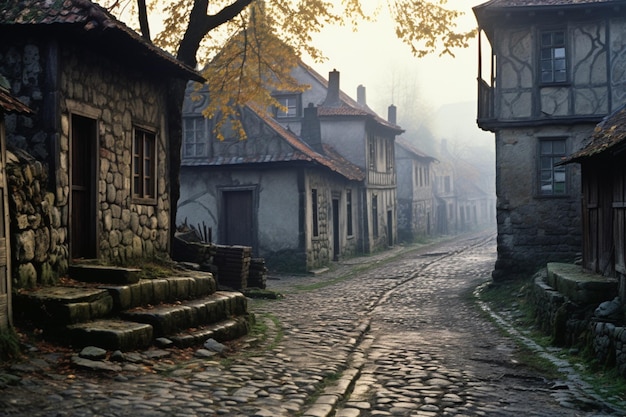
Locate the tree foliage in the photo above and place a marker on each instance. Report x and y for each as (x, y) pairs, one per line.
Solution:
(248, 47)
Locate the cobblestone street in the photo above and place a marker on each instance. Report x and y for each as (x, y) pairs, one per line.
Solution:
(395, 334)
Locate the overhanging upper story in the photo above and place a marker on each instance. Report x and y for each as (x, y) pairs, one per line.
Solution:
(550, 61)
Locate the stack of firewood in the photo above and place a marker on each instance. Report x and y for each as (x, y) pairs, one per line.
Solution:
(257, 277)
(233, 265)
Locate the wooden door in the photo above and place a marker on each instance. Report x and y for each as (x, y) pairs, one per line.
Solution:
(5, 258)
(238, 226)
(83, 139)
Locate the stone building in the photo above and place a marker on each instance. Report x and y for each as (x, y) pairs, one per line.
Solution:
(294, 204)
(8, 105)
(307, 186)
(416, 208)
(555, 71)
(90, 178)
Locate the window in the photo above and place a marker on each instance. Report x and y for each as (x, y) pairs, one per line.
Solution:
(195, 137)
(144, 164)
(372, 153)
(551, 178)
(553, 57)
(349, 211)
(389, 155)
(316, 230)
(291, 104)
(375, 216)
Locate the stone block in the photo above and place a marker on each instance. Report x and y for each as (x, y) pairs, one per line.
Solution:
(161, 290)
(122, 297)
(147, 291)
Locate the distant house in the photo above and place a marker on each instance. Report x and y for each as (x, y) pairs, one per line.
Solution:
(8, 104)
(311, 183)
(556, 71)
(603, 163)
(97, 142)
(416, 208)
(294, 204)
(363, 138)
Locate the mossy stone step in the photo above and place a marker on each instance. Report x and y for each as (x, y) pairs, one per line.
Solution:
(104, 274)
(222, 331)
(111, 335)
(60, 305)
(160, 290)
(580, 286)
(170, 319)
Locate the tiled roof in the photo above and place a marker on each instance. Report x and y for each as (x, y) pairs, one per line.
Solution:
(88, 16)
(607, 135)
(300, 152)
(10, 104)
(406, 145)
(348, 106)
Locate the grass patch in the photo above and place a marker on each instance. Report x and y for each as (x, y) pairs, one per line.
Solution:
(9, 345)
(510, 299)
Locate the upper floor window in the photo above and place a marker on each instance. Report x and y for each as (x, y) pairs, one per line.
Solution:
(290, 106)
(553, 59)
(552, 179)
(144, 165)
(195, 137)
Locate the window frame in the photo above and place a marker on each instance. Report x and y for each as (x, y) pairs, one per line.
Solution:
(205, 137)
(553, 46)
(297, 106)
(143, 184)
(554, 157)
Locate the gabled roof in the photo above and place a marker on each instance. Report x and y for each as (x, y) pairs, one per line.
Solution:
(301, 151)
(10, 104)
(608, 136)
(348, 106)
(416, 153)
(89, 19)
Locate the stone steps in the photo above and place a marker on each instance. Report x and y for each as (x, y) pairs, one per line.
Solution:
(170, 319)
(129, 313)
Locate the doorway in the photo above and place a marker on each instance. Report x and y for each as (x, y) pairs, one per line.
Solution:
(238, 226)
(83, 140)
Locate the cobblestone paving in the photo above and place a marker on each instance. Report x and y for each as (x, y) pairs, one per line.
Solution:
(397, 339)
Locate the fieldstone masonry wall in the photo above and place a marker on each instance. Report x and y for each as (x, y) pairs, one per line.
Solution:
(38, 241)
(56, 81)
(573, 325)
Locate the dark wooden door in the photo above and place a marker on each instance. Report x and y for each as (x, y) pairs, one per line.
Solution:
(5, 259)
(238, 218)
(83, 184)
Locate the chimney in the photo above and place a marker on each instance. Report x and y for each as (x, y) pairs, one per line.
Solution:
(360, 95)
(310, 130)
(332, 94)
(391, 114)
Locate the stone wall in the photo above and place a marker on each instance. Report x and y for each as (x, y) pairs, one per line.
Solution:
(59, 80)
(578, 326)
(39, 253)
(535, 229)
